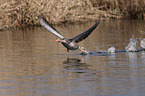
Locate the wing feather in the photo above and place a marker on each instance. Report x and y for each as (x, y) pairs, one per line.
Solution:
(85, 34)
(49, 27)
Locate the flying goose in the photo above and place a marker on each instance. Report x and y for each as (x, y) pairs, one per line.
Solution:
(70, 44)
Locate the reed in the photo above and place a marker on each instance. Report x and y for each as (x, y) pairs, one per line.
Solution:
(21, 13)
(128, 8)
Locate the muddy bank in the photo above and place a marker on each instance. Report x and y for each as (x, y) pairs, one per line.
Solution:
(15, 13)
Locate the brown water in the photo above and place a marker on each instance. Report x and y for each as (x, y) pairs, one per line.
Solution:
(33, 64)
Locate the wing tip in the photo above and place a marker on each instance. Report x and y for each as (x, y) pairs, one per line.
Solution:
(44, 22)
(79, 38)
(40, 17)
(98, 20)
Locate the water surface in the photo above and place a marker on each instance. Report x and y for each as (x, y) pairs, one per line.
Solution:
(33, 64)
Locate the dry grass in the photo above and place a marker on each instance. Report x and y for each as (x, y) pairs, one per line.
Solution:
(21, 13)
(129, 8)
(25, 12)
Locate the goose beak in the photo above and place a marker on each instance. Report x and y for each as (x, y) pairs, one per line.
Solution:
(57, 40)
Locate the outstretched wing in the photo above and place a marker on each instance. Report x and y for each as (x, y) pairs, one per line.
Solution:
(49, 27)
(85, 34)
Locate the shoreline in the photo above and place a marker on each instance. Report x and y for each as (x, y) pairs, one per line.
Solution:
(17, 14)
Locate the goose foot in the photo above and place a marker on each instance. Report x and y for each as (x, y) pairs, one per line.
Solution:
(83, 50)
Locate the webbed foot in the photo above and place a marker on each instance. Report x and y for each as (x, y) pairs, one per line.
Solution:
(83, 50)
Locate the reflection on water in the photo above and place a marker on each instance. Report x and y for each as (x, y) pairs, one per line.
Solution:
(74, 61)
(75, 64)
(33, 64)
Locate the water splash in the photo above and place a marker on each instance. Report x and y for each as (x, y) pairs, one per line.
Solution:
(132, 45)
(111, 50)
(142, 43)
(99, 50)
(141, 31)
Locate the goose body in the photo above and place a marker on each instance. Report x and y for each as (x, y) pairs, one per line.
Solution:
(70, 44)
